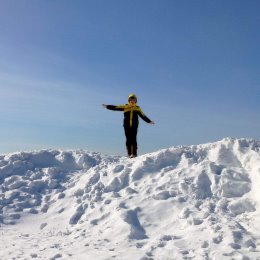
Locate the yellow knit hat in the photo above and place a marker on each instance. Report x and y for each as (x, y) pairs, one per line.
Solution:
(132, 96)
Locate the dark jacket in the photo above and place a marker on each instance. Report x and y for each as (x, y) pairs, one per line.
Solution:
(131, 114)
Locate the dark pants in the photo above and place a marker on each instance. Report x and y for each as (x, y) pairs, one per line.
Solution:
(131, 143)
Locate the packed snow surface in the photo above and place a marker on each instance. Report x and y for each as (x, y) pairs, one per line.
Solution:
(185, 202)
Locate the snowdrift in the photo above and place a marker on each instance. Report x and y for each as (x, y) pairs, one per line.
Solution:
(186, 202)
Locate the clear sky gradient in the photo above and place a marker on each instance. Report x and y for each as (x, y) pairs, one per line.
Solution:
(194, 65)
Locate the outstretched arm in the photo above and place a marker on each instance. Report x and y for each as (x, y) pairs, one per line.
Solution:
(112, 107)
(144, 117)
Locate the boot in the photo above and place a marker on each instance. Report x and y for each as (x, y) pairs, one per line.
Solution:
(129, 150)
(134, 150)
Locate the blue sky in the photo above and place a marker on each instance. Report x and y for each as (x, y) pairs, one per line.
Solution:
(194, 66)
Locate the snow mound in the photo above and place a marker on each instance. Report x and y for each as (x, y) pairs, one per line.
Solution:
(199, 201)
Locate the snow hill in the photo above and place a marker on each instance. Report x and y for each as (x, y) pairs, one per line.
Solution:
(185, 202)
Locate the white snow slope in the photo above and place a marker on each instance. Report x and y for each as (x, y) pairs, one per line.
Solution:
(187, 202)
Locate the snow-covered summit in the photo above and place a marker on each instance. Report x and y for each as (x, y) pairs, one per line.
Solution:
(185, 202)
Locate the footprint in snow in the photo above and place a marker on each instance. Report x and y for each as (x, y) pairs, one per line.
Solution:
(136, 229)
(77, 215)
(118, 168)
(56, 256)
(43, 225)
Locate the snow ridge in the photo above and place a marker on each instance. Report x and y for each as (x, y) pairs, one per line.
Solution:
(186, 202)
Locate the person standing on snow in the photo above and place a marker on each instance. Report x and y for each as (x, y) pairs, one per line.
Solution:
(131, 113)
